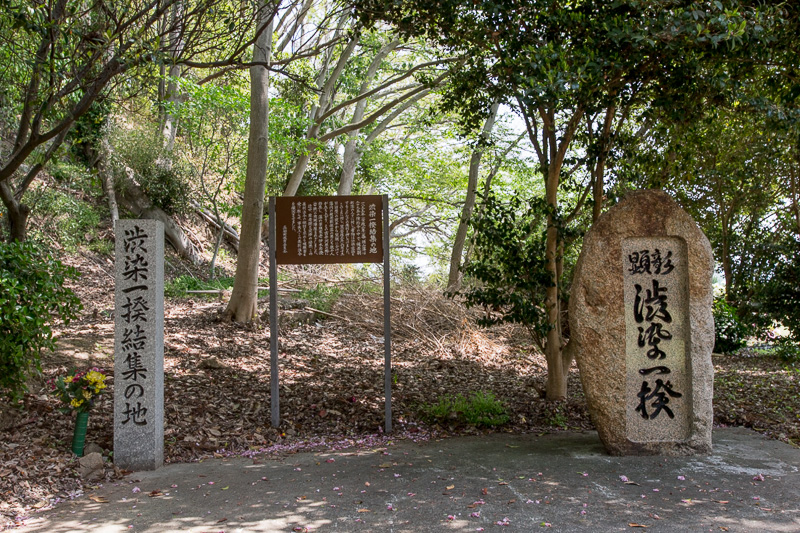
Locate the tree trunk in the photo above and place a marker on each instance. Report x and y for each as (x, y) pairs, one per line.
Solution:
(243, 305)
(727, 268)
(107, 179)
(553, 161)
(353, 156)
(795, 170)
(556, 372)
(170, 128)
(600, 166)
(454, 278)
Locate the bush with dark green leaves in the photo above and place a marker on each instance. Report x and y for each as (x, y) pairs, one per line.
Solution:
(781, 294)
(507, 276)
(33, 295)
(730, 333)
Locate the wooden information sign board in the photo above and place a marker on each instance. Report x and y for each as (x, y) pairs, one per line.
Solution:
(329, 229)
(305, 230)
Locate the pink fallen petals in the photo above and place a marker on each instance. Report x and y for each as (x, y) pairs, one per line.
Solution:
(681, 478)
(504, 522)
(624, 479)
(759, 477)
(451, 517)
(136, 489)
(476, 514)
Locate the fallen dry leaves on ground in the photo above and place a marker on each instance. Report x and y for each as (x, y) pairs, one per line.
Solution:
(217, 386)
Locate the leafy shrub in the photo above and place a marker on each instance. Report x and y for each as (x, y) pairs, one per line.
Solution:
(76, 177)
(479, 409)
(166, 181)
(788, 351)
(508, 276)
(64, 217)
(782, 292)
(730, 332)
(85, 135)
(33, 294)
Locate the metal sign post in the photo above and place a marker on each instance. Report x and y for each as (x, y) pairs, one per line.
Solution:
(387, 320)
(307, 230)
(275, 401)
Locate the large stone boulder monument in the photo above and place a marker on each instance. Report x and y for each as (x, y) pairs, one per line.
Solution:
(640, 316)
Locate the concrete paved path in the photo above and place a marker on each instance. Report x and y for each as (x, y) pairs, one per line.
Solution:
(556, 482)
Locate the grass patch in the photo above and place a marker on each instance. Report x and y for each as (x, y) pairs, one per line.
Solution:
(477, 409)
(178, 287)
(66, 219)
(321, 297)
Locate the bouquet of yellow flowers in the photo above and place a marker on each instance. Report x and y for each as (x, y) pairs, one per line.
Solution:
(78, 390)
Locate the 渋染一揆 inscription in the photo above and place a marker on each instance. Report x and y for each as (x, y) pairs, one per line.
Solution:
(139, 345)
(656, 312)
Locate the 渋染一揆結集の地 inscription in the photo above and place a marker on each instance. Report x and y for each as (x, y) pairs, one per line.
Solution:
(139, 345)
(658, 388)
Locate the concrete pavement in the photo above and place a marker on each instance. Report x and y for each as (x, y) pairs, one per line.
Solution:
(559, 482)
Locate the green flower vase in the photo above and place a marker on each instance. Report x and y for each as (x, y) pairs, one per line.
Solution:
(79, 436)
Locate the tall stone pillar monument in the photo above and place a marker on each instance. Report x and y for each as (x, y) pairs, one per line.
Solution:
(139, 345)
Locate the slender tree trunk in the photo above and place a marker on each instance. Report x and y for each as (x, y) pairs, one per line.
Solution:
(243, 305)
(795, 188)
(557, 358)
(328, 89)
(108, 187)
(172, 96)
(351, 155)
(454, 278)
(600, 166)
(556, 373)
(727, 268)
(217, 242)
